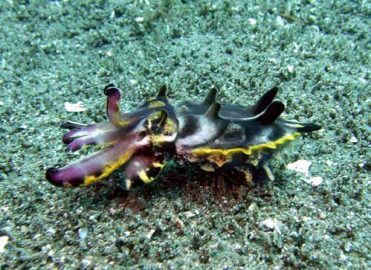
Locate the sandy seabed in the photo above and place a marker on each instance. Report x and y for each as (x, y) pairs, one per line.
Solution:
(316, 52)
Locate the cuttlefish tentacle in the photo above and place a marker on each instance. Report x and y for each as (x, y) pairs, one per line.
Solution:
(113, 107)
(89, 130)
(97, 166)
(102, 133)
(72, 125)
(144, 167)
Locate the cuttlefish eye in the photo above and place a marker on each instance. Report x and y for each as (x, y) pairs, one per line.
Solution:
(161, 128)
(155, 122)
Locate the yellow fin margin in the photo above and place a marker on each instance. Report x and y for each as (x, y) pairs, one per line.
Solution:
(202, 151)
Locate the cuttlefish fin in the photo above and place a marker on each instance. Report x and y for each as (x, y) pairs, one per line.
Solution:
(274, 110)
(265, 101)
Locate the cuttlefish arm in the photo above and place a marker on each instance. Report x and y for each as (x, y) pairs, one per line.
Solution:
(97, 166)
(101, 133)
(108, 132)
(122, 136)
(143, 167)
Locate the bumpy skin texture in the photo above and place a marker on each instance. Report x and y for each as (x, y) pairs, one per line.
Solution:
(210, 134)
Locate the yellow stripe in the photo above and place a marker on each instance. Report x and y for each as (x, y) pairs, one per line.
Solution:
(119, 121)
(108, 169)
(158, 164)
(144, 177)
(155, 104)
(248, 150)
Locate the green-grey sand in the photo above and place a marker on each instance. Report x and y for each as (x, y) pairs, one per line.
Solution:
(316, 51)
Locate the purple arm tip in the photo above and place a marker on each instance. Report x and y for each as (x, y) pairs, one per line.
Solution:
(58, 178)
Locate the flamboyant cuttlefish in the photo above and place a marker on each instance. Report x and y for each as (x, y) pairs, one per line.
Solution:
(210, 134)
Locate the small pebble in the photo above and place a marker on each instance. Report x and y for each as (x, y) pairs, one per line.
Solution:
(348, 247)
(3, 241)
(300, 165)
(314, 181)
(74, 107)
(83, 232)
(252, 21)
(280, 21)
(271, 224)
(322, 215)
(189, 214)
(150, 233)
(139, 19)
